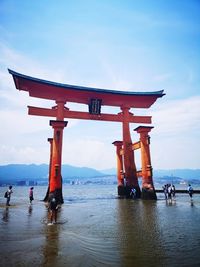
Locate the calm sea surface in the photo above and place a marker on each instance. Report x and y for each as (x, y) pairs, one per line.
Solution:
(95, 228)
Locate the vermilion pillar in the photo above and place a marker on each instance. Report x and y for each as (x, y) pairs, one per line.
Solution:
(148, 190)
(55, 185)
(50, 140)
(120, 172)
(60, 109)
(129, 161)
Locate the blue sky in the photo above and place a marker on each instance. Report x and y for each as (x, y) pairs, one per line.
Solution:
(124, 45)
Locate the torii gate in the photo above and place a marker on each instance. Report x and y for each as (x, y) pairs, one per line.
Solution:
(94, 98)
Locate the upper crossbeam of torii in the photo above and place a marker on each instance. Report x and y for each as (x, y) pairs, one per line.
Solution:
(95, 98)
(63, 93)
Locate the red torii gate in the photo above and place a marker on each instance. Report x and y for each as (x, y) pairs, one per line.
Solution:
(94, 98)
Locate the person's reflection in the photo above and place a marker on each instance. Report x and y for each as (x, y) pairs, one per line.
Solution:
(170, 202)
(5, 217)
(30, 209)
(51, 247)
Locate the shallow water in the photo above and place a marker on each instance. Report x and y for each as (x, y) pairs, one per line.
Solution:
(95, 228)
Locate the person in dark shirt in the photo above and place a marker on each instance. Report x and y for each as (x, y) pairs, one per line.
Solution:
(190, 191)
(8, 195)
(53, 208)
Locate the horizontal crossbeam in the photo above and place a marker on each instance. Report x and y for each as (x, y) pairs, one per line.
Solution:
(136, 145)
(87, 116)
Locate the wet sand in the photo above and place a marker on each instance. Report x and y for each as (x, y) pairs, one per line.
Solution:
(101, 230)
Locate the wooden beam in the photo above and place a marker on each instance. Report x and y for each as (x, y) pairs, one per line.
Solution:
(87, 116)
(42, 111)
(136, 145)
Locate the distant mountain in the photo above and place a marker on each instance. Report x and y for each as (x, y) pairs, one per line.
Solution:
(17, 172)
(33, 172)
(187, 174)
(112, 171)
(69, 171)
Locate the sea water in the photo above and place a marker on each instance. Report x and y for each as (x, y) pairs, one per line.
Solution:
(96, 228)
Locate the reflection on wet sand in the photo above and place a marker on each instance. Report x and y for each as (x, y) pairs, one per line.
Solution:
(101, 231)
(30, 210)
(139, 234)
(171, 202)
(51, 246)
(5, 217)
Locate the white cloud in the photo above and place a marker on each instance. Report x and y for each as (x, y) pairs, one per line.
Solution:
(177, 117)
(87, 152)
(23, 154)
(175, 139)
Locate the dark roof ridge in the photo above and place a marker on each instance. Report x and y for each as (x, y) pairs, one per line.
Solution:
(84, 88)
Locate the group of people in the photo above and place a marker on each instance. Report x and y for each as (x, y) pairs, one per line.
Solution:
(52, 202)
(169, 191)
(8, 193)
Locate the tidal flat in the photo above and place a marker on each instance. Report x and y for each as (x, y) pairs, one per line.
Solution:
(96, 228)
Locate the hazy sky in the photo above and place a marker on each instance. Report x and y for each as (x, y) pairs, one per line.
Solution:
(131, 45)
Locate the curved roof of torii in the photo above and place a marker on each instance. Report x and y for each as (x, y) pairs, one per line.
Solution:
(79, 94)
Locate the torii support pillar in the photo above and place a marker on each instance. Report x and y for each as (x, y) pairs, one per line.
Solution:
(50, 140)
(120, 172)
(129, 161)
(148, 190)
(55, 181)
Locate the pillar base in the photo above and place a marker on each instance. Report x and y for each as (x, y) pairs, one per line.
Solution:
(148, 194)
(58, 194)
(124, 191)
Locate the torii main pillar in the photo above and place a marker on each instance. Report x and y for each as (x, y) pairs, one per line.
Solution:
(129, 161)
(50, 140)
(148, 190)
(55, 181)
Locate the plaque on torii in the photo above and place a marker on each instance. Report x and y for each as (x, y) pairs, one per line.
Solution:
(94, 98)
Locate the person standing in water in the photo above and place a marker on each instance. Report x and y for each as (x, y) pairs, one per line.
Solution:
(31, 198)
(53, 208)
(190, 190)
(8, 195)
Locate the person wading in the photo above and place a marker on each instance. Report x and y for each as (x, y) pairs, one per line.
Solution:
(8, 195)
